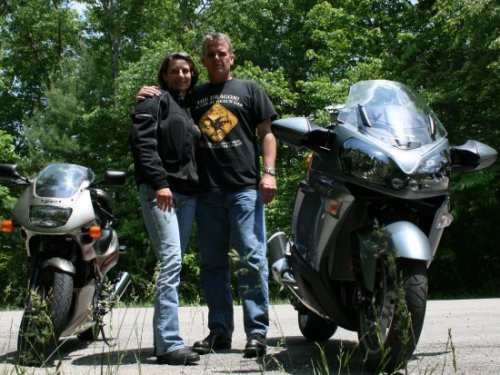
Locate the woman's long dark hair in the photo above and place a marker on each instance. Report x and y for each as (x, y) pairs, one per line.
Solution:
(175, 56)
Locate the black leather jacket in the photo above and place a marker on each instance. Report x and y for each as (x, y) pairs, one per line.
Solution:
(164, 151)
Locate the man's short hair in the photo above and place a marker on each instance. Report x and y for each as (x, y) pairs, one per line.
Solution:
(216, 36)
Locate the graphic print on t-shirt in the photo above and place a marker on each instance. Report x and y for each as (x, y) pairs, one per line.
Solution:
(217, 122)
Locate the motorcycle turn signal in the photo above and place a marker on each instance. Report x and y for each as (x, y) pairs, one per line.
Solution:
(7, 226)
(95, 231)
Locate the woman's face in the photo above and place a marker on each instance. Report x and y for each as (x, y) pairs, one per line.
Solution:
(178, 75)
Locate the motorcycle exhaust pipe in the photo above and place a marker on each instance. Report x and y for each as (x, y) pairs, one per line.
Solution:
(109, 301)
(278, 245)
(120, 286)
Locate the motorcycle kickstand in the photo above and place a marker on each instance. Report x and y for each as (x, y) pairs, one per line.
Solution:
(104, 338)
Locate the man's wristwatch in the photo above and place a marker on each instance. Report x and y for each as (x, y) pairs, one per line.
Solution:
(270, 171)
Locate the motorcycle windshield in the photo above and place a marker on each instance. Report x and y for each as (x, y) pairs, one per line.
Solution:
(61, 180)
(392, 113)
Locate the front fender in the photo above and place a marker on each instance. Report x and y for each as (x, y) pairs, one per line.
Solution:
(402, 238)
(61, 264)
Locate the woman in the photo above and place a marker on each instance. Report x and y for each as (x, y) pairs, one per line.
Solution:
(163, 143)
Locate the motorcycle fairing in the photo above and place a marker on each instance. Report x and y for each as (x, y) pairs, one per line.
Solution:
(406, 164)
(311, 216)
(81, 204)
(108, 257)
(59, 185)
(402, 238)
(315, 292)
(60, 263)
(442, 219)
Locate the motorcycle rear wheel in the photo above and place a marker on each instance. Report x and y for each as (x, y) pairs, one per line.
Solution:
(315, 328)
(45, 317)
(389, 327)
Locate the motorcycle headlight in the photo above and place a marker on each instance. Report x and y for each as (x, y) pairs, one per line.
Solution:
(363, 161)
(432, 173)
(49, 216)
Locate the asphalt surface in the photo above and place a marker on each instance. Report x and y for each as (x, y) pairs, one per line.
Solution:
(459, 337)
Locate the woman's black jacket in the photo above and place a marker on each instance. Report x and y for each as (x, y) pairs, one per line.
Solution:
(164, 151)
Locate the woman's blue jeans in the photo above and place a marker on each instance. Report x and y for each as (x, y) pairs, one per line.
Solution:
(226, 218)
(169, 232)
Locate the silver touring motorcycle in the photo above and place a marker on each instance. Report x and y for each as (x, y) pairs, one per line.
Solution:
(368, 218)
(66, 222)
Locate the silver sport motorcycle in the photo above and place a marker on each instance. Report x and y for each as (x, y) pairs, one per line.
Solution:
(66, 222)
(368, 218)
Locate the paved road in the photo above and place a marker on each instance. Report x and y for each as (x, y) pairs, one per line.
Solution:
(459, 337)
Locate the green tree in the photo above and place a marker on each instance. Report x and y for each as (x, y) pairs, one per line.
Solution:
(452, 52)
(36, 36)
(67, 86)
(11, 255)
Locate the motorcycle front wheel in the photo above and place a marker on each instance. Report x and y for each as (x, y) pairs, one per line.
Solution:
(45, 317)
(315, 328)
(391, 323)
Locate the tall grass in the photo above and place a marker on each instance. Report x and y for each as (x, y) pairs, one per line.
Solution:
(127, 346)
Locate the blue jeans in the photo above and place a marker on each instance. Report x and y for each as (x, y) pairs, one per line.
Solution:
(169, 232)
(233, 217)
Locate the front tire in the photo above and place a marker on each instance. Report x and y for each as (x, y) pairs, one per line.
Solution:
(390, 325)
(45, 317)
(314, 327)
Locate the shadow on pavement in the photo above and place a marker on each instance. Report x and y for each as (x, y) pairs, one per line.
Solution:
(288, 355)
(291, 355)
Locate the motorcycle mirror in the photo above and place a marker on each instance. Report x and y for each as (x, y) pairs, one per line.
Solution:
(114, 178)
(300, 132)
(472, 156)
(10, 173)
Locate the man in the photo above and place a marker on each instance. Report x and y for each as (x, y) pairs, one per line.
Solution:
(230, 113)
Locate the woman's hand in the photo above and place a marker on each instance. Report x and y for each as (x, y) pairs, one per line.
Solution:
(164, 199)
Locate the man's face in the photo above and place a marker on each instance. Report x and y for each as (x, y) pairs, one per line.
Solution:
(218, 61)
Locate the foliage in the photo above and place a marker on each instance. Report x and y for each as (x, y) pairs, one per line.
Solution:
(36, 36)
(454, 56)
(68, 82)
(11, 254)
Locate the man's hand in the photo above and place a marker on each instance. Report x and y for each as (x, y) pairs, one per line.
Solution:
(147, 92)
(267, 184)
(164, 199)
(268, 187)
